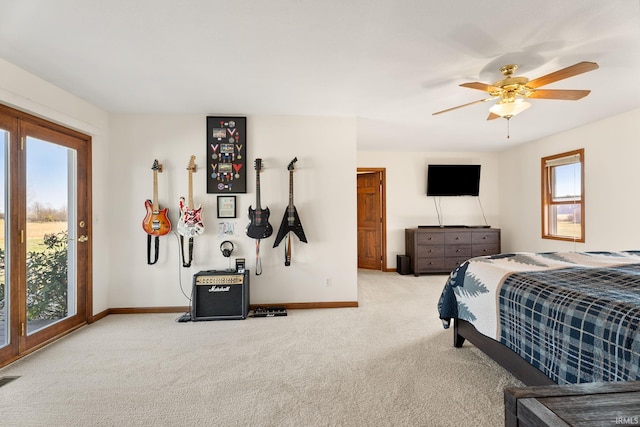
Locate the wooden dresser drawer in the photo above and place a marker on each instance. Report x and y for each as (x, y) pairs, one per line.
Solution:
(430, 251)
(484, 237)
(457, 237)
(489, 249)
(427, 238)
(430, 264)
(457, 251)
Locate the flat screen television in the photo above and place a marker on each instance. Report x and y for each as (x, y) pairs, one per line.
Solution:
(453, 180)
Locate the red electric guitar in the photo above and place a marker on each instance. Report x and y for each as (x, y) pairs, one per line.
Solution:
(156, 222)
(190, 223)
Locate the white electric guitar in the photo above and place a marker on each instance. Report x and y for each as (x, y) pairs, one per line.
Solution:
(190, 223)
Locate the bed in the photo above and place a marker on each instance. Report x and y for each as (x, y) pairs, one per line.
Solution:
(556, 317)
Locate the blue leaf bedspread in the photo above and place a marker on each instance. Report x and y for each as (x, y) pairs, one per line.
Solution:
(573, 315)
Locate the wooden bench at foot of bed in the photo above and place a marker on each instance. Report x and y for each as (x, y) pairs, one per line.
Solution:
(593, 404)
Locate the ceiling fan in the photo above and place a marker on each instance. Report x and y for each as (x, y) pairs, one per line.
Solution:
(512, 91)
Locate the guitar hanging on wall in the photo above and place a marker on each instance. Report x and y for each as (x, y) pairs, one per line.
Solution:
(156, 222)
(290, 221)
(190, 223)
(259, 227)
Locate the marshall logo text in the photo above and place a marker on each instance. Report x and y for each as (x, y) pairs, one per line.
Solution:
(219, 288)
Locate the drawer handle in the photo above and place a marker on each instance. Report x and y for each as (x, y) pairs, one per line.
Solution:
(484, 237)
(458, 250)
(457, 238)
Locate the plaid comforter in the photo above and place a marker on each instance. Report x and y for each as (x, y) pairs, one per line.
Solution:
(575, 316)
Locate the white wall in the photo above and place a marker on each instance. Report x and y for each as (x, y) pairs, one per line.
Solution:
(124, 147)
(26, 92)
(406, 188)
(612, 154)
(324, 194)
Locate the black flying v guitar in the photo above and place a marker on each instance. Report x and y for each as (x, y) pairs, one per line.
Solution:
(259, 227)
(290, 221)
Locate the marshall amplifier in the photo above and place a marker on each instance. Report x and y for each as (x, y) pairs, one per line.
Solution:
(220, 295)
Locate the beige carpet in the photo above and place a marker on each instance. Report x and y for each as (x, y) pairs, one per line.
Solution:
(385, 363)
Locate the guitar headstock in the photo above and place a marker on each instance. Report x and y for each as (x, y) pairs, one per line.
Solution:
(156, 166)
(258, 165)
(290, 167)
(192, 164)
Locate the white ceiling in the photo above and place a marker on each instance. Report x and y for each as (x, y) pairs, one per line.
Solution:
(389, 63)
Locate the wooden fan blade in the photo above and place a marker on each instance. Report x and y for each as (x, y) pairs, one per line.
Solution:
(463, 105)
(573, 70)
(568, 95)
(493, 116)
(481, 86)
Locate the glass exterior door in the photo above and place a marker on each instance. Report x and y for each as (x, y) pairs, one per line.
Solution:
(45, 218)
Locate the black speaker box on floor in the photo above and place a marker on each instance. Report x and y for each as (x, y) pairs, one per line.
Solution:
(403, 264)
(220, 295)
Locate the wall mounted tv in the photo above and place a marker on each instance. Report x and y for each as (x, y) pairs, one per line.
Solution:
(453, 180)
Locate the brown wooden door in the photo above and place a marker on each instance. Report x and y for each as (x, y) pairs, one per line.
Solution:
(370, 221)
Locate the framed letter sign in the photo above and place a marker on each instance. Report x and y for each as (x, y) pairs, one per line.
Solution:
(226, 154)
(226, 206)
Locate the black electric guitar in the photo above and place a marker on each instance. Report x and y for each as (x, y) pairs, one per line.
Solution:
(259, 227)
(291, 220)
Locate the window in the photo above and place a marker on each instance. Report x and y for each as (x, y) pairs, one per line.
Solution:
(563, 196)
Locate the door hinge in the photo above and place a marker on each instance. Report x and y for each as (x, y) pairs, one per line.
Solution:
(22, 329)
(21, 236)
(22, 143)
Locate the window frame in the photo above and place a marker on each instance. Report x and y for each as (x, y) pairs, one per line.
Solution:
(547, 195)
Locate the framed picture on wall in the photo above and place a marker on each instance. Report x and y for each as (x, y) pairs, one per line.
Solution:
(226, 206)
(227, 155)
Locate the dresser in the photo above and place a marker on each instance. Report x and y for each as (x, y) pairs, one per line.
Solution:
(442, 249)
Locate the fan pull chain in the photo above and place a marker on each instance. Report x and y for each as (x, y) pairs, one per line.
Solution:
(508, 136)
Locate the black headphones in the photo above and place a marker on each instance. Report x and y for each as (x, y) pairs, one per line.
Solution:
(226, 248)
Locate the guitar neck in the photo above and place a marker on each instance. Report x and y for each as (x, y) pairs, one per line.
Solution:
(258, 190)
(156, 208)
(191, 205)
(290, 191)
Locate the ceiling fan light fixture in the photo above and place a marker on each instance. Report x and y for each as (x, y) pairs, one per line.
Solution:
(510, 109)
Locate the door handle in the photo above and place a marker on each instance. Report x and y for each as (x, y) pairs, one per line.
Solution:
(82, 239)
